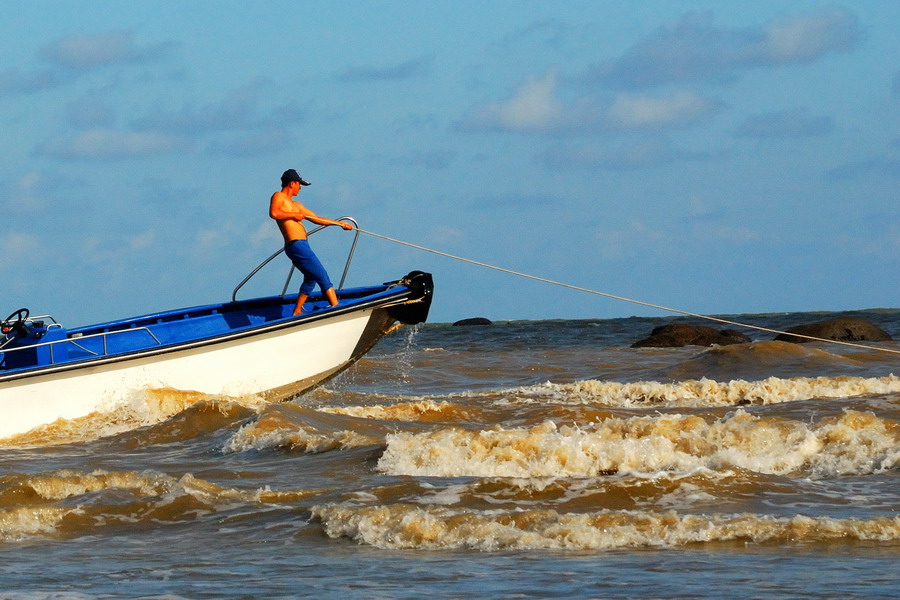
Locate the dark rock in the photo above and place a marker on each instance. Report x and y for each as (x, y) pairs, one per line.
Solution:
(842, 329)
(473, 321)
(676, 335)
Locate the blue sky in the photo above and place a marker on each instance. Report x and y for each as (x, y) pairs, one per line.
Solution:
(716, 157)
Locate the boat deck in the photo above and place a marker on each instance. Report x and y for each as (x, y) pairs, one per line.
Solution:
(49, 343)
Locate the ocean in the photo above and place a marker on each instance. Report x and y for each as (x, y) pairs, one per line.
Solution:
(524, 459)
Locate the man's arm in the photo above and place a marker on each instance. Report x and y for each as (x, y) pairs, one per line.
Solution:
(281, 208)
(311, 216)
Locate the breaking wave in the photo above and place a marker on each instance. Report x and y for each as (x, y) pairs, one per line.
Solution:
(292, 427)
(71, 503)
(406, 526)
(142, 409)
(852, 443)
(705, 392)
(424, 410)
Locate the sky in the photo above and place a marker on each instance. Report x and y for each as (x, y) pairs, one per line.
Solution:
(712, 157)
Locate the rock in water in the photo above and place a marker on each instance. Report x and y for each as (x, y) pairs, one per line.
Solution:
(473, 321)
(676, 335)
(842, 329)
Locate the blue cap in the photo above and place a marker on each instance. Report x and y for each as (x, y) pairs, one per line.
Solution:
(292, 175)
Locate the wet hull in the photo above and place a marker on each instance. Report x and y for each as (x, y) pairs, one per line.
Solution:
(278, 364)
(253, 347)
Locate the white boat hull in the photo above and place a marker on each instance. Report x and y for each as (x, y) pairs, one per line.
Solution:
(279, 363)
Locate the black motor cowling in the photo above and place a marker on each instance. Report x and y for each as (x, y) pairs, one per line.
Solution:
(416, 309)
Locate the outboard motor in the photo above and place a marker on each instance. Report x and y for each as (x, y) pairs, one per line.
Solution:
(415, 311)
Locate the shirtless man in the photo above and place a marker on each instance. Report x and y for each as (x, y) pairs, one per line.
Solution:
(289, 214)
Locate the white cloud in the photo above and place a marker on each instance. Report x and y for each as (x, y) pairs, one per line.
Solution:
(91, 110)
(84, 52)
(209, 238)
(881, 167)
(628, 240)
(265, 235)
(693, 49)
(241, 124)
(698, 208)
(638, 111)
(255, 143)
(804, 38)
(533, 107)
(410, 69)
(143, 240)
(786, 124)
(731, 235)
(23, 195)
(109, 143)
(638, 154)
(15, 81)
(237, 110)
(536, 107)
(16, 244)
(448, 235)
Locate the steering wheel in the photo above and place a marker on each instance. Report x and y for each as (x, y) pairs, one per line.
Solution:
(16, 322)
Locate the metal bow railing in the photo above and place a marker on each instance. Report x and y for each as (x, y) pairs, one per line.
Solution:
(291, 271)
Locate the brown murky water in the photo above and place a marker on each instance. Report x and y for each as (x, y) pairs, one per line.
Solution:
(524, 459)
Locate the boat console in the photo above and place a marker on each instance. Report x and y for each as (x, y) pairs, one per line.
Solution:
(28, 341)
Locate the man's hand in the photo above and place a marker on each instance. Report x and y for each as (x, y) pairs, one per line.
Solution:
(345, 225)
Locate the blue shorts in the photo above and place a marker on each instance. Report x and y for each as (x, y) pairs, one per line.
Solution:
(307, 263)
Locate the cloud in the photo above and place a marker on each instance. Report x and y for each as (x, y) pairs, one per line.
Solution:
(652, 152)
(692, 49)
(264, 235)
(238, 110)
(640, 111)
(90, 111)
(24, 195)
(17, 82)
(617, 244)
(536, 108)
(142, 241)
(533, 107)
(73, 55)
(878, 167)
(521, 202)
(238, 124)
(109, 143)
(724, 233)
(785, 124)
(82, 52)
(410, 69)
(17, 244)
(255, 143)
(430, 159)
(549, 33)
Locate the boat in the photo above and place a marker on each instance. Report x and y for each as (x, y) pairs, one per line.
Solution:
(234, 348)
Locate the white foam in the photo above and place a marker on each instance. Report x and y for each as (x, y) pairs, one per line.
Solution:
(854, 443)
(406, 526)
(704, 392)
(21, 523)
(305, 439)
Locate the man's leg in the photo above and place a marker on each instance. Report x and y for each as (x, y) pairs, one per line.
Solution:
(298, 308)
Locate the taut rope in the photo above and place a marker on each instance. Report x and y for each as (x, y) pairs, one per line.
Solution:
(622, 298)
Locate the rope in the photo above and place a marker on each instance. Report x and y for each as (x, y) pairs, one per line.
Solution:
(624, 299)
